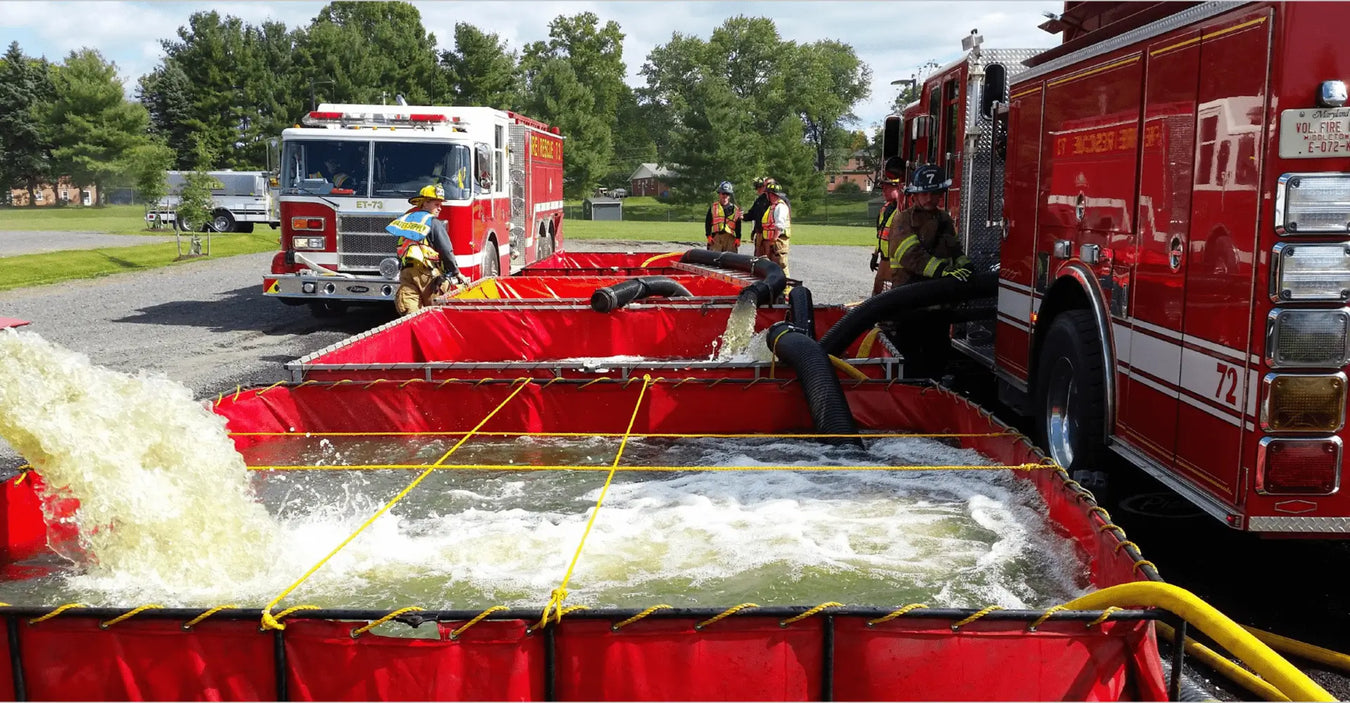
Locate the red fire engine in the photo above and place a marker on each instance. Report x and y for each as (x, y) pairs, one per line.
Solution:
(350, 170)
(1170, 191)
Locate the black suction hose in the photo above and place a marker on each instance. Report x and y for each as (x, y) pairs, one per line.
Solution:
(771, 281)
(824, 396)
(621, 294)
(801, 313)
(898, 301)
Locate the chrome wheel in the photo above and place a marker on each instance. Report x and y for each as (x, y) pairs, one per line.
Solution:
(1061, 429)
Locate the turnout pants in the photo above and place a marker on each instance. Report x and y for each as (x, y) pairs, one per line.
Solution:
(724, 242)
(775, 251)
(415, 290)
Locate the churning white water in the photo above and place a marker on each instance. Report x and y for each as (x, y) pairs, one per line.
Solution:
(186, 524)
(735, 342)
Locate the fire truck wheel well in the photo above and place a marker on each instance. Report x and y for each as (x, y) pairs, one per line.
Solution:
(1072, 292)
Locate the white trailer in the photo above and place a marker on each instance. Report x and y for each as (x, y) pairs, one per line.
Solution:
(239, 200)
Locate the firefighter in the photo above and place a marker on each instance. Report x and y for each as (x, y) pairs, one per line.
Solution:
(424, 252)
(776, 227)
(756, 212)
(723, 221)
(890, 188)
(922, 246)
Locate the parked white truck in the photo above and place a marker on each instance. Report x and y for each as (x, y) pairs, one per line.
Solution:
(239, 200)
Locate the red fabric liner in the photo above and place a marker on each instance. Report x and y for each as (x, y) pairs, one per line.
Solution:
(71, 659)
(544, 334)
(491, 661)
(604, 259)
(581, 288)
(992, 660)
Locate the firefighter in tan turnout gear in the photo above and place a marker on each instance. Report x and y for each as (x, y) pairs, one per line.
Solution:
(777, 227)
(424, 252)
(891, 177)
(922, 245)
(723, 222)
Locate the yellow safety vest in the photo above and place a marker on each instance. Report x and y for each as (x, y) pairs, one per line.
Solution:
(771, 230)
(721, 224)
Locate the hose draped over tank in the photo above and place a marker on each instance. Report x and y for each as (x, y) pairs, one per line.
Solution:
(771, 281)
(620, 294)
(898, 301)
(801, 312)
(829, 408)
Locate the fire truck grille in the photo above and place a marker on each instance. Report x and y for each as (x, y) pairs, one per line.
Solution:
(363, 243)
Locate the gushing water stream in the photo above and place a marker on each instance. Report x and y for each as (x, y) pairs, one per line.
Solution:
(740, 342)
(170, 514)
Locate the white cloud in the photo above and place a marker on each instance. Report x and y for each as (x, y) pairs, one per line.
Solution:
(893, 38)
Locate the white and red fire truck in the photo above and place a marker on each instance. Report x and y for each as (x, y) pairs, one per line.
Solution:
(350, 169)
(1166, 197)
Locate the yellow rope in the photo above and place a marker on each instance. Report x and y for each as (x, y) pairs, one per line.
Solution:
(270, 622)
(620, 625)
(1045, 616)
(658, 257)
(724, 614)
(1144, 562)
(1106, 517)
(1121, 545)
(282, 615)
(411, 380)
(237, 390)
(1105, 614)
(809, 613)
(454, 634)
(1120, 531)
(592, 383)
(594, 467)
(274, 385)
(368, 385)
(896, 613)
(129, 614)
(369, 626)
(962, 623)
(559, 594)
(23, 473)
(57, 611)
(197, 620)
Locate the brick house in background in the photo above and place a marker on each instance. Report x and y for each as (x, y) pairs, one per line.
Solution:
(853, 171)
(48, 194)
(650, 179)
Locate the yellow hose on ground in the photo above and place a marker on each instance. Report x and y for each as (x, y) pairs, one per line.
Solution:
(1311, 652)
(1224, 666)
(1284, 676)
(849, 369)
(658, 257)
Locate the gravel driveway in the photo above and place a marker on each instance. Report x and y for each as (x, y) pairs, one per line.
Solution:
(17, 243)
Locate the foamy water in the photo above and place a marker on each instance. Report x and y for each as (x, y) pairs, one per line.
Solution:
(736, 340)
(204, 531)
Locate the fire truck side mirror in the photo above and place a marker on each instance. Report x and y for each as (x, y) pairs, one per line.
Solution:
(483, 170)
(918, 127)
(892, 133)
(995, 88)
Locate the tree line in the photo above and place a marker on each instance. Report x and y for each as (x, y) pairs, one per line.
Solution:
(744, 102)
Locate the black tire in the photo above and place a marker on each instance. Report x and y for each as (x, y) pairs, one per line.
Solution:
(1071, 394)
(221, 221)
(244, 227)
(492, 261)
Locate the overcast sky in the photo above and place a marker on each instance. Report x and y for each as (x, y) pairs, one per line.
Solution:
(893, 38)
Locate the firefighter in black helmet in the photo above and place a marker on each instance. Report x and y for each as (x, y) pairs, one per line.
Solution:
(922, 245)
(892, 177)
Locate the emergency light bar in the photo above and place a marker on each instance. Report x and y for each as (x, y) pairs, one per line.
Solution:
(324, 118)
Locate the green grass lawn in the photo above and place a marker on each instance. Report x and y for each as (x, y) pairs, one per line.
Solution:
(847, 209)
(108, 219)
(55, 267)
(693, 232)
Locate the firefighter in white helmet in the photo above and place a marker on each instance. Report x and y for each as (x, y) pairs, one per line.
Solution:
(424, 252)
(723, 222)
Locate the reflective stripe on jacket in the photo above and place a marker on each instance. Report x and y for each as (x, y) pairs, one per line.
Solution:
(884, 219)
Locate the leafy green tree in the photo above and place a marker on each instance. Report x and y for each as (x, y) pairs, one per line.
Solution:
(558, 97)
(369, 51)
(94, 128)
(828, 80)
(593, 51)
(480, 70)
(146, 168)
(194, 209)
(166, 93)
(25, 92)
(712, 143)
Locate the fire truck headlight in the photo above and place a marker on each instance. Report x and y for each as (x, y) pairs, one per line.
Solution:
(307, 243)
(1298, 466)
(1310, 273)
(1308, 338)
(1312, 203)
(1303, 402)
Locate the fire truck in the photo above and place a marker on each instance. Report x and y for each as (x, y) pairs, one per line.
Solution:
(349, 170)
(1166, 199)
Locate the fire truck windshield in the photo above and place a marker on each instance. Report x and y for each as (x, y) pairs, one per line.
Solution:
(326, 167)
(403, 168)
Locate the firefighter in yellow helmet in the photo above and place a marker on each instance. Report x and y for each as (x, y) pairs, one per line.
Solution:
(424, 252)
(890, 182)
(723, 222)
(777, 226)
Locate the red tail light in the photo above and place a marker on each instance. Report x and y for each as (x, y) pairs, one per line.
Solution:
(1298, 466)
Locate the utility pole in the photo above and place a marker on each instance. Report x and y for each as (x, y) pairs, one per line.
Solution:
(313, 82)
